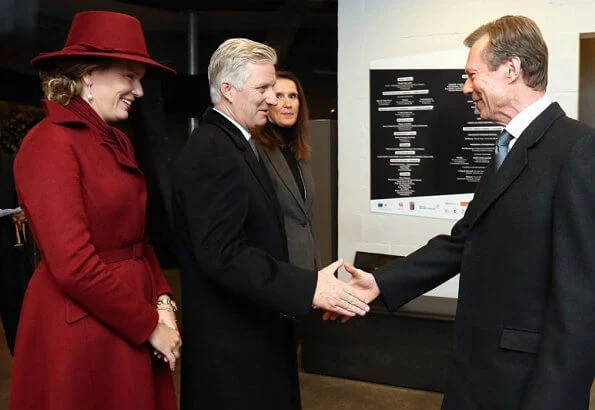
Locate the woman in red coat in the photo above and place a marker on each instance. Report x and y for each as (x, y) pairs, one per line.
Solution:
(97, 323)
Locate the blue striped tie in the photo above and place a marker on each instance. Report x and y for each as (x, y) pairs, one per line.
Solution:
(501, 148)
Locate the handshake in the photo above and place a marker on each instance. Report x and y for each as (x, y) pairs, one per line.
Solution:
(345, 299)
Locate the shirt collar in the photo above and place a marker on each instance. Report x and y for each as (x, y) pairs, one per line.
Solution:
(245, 133)
(521, 121)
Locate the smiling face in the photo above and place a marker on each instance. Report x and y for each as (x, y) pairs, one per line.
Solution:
(114, 89)
(250, 105)
(285, 113)
(488, 88)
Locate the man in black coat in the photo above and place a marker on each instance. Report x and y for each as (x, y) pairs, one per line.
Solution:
(239, 293)
(525, 249)
(13, 266)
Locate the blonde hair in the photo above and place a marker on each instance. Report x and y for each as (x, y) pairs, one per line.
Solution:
(228, 63)
(64, 81)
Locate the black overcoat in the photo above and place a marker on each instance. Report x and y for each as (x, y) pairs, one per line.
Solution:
(238, 295)
(525, 321)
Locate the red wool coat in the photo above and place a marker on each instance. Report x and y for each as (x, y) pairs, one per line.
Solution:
(90, 306)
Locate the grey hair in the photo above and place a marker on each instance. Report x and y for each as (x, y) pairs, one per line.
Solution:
(516, 36)
(228, 63)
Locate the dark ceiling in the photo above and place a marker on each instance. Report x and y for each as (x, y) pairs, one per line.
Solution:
(304, 33)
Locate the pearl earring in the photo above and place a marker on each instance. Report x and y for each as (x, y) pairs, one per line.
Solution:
(89, 95)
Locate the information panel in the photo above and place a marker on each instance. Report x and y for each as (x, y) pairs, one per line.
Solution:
(429, 148)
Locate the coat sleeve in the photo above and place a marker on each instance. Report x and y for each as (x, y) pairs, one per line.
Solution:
(306, 168)
(210, 190)
(161, 285)
(423, 270)
(49, 185)
(566, 360)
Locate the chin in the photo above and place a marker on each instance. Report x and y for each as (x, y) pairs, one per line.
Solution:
(260, 122)
(117, 118)
(484, 116)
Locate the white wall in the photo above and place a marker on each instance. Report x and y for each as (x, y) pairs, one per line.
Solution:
(381, 29)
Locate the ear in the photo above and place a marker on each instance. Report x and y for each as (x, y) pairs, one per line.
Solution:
(87, 78)
(226, 90)
(513, 68)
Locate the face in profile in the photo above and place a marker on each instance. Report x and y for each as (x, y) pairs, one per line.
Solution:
(285, 113)
(115, 89)
(250, 105)
(488, 88)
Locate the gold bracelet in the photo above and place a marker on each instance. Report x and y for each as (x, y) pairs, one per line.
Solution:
(166, 304)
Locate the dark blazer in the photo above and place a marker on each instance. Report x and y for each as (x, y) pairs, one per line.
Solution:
(239, 346)
(525, 249)
(297, 210)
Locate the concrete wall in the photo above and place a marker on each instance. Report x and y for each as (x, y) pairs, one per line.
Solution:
(370, 30)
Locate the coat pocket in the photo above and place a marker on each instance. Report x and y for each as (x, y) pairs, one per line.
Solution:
(74, 312)
(520, 340)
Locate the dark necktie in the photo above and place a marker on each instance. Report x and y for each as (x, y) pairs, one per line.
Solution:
(251, 142)
(501, 148)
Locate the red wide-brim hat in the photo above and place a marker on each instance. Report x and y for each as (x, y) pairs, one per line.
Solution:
(106, 34)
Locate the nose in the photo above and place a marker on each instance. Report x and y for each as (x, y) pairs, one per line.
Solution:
(137, 91)
(271, 97)
(468, 86)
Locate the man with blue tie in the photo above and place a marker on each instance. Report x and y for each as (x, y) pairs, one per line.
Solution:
(525, 249)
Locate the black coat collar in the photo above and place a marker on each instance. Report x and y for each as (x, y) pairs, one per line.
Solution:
(492, 185)
(239, 140)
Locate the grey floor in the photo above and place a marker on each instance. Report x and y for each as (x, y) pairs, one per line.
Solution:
(318, 392)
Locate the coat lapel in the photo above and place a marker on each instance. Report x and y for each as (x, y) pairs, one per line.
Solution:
(114, 140)
(279, 166)
(242, 144)
(308, 178)
(125, 160)
(493, 185)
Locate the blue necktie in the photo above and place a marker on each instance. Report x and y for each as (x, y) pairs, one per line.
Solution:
(501, 148)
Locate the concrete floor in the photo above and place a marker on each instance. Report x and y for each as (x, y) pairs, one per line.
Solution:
(329, 393)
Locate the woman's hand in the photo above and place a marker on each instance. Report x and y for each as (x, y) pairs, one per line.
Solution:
(168, 318)
(167, 342)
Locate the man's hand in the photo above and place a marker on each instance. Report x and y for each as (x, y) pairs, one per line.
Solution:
(361, 281)
(333, 295)
(18, 219)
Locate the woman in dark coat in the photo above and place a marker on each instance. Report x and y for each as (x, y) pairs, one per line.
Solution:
(285, 151)
(97, 316)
